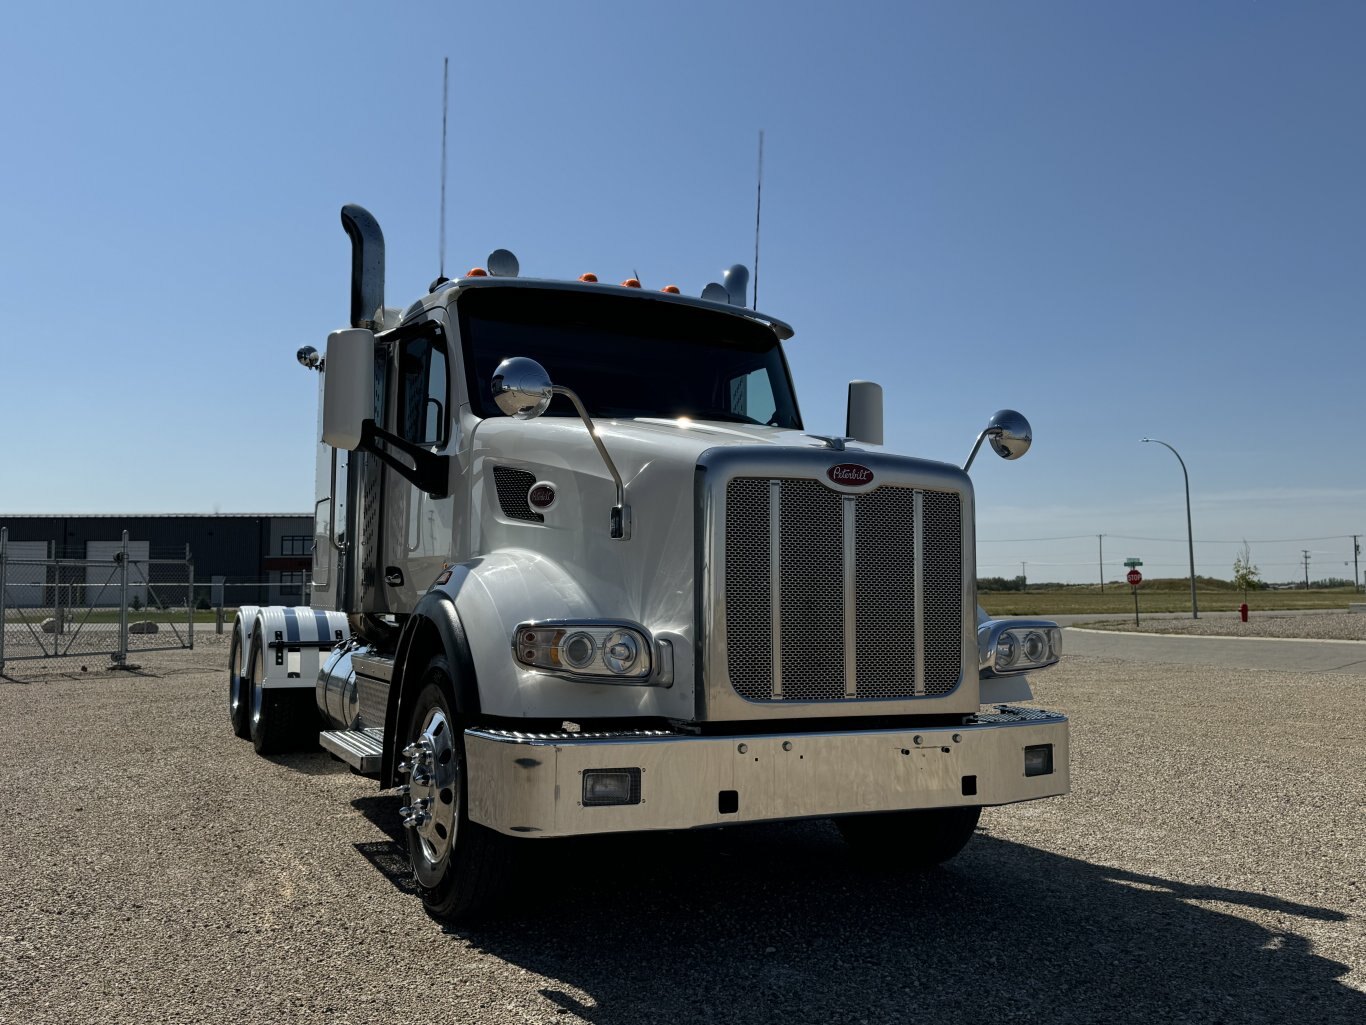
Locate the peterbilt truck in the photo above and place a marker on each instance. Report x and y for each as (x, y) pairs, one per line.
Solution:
(581, 568)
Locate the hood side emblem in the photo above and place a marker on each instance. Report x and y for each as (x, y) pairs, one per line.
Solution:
(541, 496)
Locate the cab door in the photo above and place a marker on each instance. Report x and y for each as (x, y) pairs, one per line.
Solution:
(418, 538)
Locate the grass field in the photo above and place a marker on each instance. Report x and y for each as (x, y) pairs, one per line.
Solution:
(1157, 596)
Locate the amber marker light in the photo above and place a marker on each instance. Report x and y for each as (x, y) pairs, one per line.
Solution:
(477, 272)
(590, 277)
(631, 283)
(671, 289)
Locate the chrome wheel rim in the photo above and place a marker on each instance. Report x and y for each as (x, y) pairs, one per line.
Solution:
(258, 667)
(434, 788)
(234, 679)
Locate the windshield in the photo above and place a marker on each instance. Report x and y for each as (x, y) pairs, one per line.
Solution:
(629, 356)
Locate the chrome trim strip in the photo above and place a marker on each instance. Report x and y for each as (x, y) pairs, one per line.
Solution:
(850, 597)
(919, 596)
(775, 580)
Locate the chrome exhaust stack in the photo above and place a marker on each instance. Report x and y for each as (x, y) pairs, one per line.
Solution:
(367, 267)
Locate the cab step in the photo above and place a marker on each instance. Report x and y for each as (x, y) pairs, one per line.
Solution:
(360, 749)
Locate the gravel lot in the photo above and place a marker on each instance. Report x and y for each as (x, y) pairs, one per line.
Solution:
(1210, 866)
(1336, 626)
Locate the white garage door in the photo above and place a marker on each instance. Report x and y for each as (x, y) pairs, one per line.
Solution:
(25, 574)
(102, 584)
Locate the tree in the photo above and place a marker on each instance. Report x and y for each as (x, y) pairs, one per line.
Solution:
(1245, 574)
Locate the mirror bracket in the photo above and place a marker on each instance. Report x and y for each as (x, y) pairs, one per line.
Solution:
(429, 472)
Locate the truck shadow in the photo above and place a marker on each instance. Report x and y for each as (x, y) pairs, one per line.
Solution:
(768, 923)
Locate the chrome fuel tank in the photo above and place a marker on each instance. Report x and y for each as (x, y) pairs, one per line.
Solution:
(336, 689)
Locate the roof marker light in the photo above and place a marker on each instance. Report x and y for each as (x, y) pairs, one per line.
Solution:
(477, 272)
(671, 289)
(631, 283)
(590, 277)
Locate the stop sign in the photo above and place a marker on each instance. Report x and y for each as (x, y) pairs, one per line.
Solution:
(1135, 578)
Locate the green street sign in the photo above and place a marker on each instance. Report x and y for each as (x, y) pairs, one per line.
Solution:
(1133, 562)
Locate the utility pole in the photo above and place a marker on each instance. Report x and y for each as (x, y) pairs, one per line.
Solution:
(1306, 567)
(1100, 540)
(1356, 563)
(1024, 582)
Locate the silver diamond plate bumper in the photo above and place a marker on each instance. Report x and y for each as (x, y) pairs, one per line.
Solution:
(531, 785)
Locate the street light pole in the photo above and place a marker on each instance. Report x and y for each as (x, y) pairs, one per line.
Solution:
(1190, 535)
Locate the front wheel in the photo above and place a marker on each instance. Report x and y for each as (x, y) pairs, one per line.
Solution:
(459, 865)
(910, 839)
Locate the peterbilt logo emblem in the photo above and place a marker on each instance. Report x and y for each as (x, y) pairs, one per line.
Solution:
(541, 496)
(850, 475)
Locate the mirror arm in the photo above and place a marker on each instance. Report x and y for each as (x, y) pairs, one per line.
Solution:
(621, 512)
(430, 472)
(973, 454)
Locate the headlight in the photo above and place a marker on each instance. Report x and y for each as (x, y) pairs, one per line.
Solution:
(601, 651)
(1009, 646)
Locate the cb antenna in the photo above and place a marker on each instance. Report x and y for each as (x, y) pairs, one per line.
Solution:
(445, 103)
(758, 207)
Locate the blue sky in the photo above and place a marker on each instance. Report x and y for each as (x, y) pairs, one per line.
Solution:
(1119, 219)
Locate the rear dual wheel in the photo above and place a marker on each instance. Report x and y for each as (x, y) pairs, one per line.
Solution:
(239, 690)
(279, 719)
(459, 865)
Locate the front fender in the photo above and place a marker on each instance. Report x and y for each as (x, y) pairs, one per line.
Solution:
(493, 594)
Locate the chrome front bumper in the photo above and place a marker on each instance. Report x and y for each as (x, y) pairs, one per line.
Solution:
(526, 784)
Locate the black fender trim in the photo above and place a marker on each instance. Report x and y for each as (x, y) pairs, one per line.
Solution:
(437, 609)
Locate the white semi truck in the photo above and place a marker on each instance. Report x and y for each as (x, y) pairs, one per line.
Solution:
(580, 568)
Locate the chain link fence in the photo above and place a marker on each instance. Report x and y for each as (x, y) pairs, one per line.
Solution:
(117, 599)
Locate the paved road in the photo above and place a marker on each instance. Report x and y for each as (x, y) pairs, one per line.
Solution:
(1294, 656)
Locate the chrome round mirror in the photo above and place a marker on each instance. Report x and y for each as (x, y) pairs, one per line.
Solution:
(522, 388)
(1009, 433)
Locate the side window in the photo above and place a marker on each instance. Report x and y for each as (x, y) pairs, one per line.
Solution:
(423, 397)
(751, 395)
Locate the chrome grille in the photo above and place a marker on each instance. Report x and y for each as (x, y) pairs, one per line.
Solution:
(813, 576)
(942, 609)
(811, 593)
(748, 614)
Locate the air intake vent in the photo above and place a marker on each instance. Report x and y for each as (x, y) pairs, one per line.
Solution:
(513, 486)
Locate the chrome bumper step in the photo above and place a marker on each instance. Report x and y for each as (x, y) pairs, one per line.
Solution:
(360, 749)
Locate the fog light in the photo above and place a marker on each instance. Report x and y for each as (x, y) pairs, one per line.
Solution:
(1039, 760)
(611, 786)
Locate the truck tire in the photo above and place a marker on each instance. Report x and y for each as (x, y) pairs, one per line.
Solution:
(909, 839)
(239, 690)
(279, 719)
(459, 865)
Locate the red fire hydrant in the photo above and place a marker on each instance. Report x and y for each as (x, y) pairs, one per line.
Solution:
(1242, 611)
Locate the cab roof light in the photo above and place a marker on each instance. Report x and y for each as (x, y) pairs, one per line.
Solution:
(631, 283)
(671, 289)
(477, 272)
(589, 277)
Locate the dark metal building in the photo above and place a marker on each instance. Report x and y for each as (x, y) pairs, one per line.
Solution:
(263, 558)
